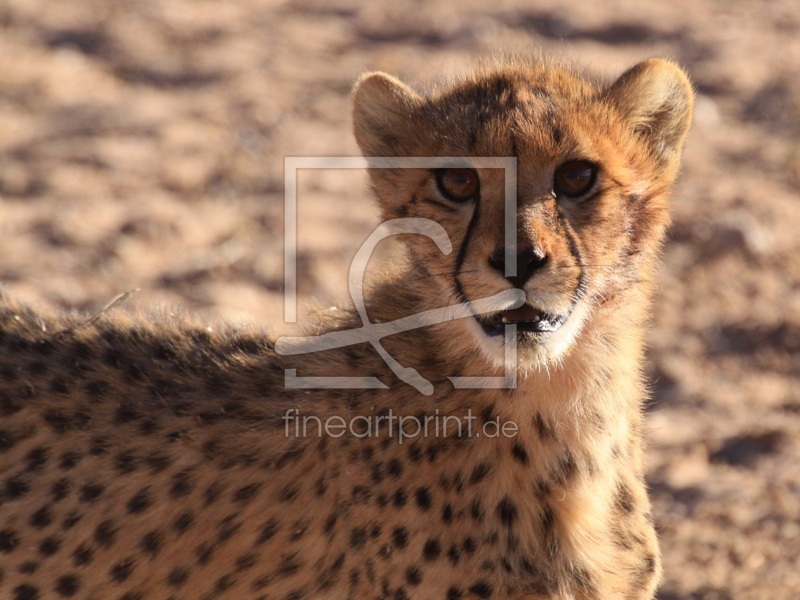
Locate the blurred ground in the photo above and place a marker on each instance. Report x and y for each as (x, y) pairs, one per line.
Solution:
(142, 145)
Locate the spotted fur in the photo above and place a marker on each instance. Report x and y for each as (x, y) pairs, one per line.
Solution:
(147, 457)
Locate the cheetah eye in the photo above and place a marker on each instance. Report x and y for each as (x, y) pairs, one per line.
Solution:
(457, 185)
(574, 178)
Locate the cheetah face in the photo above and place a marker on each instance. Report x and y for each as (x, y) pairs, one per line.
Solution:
(594, 166)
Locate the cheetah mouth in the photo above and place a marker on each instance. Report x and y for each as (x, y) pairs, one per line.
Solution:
(527, 318)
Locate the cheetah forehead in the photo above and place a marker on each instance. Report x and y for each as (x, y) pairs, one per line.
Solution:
(649, 106)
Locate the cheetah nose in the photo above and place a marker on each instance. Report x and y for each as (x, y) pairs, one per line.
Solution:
(529, 260)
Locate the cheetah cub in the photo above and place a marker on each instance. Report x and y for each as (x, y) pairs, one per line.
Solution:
(148, 458)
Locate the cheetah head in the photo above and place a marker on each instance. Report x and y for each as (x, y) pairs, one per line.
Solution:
(594, 167)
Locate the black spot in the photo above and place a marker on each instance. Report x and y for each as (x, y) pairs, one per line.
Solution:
(245, 561)
(582, 578)
(125, 462)
(68, 585)
(358, 537)
(151, 542)
(182, 483)
(41, 518)
(126, 413)
(183, 522)
(548, 520)
(399, 498)
(320, 487)
(423, 497)
(565, 469)
(61, 422)
(650, 563)
(268, 530)
(71, 520)
(447, 514)
(507, 565)
(481, 589)
(106, 533)
(377, 472)
(16, 487)
(140, 501)
(158, 461)
(204, 552)
(227, 528)
(394, 468)
(330, 522)
(289, 566)
(9, 540)
(519, 453)
(454, 554)
(223, 583)
(113, 357)
(541, 489)
(26, 592)
(431, 550)
(400, 537)
(480, 472)
(91, 492)
(360, 494)
(37, 458)
(148, 426)
(623, 499)
(246, 493)
(507, 511)
(476, 510)
(60, 489)
(414, 453)
(99, 445)
(432, 452)
(487, 414)
(59, 386)
(261, 583)
(82, 555)
(213, 492)
(288, 493)
(178, 576)
(29, 567)
(97, 390)
(469, 545)
(455, 593)
(289, 456)
(544, 430)
(49, 546)
(70, 459)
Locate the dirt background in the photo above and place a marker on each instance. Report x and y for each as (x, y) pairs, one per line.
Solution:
(142, 145)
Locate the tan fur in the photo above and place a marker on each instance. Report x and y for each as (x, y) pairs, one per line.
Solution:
(146, 457)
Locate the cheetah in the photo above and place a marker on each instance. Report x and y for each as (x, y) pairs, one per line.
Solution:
(150, 457)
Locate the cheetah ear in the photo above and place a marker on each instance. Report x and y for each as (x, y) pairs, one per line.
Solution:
(656, 98)
(383, 107)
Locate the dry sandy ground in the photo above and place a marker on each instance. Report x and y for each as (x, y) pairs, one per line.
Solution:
(142, 145)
